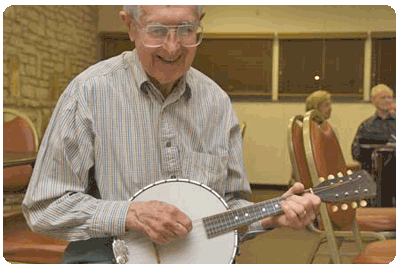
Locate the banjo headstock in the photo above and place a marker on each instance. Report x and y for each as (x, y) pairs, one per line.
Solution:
(352, 187)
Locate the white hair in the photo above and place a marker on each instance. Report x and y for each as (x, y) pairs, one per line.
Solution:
(380, 88)
(135, 11)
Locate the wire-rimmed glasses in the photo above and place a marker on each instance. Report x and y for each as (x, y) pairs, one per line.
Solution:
(189, 35)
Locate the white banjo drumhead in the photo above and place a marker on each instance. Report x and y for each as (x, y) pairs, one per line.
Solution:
(196, 201)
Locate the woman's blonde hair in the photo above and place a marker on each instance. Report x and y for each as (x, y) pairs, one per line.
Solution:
(315, 99)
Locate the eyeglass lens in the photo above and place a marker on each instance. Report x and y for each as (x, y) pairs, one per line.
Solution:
(188, 35)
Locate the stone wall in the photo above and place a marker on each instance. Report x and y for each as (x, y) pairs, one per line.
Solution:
(44, 47)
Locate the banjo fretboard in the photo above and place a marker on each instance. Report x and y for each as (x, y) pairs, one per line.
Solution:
(233, 219)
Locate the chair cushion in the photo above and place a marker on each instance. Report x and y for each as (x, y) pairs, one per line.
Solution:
(376, 219)
(381, 252)
(17, 178)
(329, 159)
(29, 247)
(18, 136)
(20, 244)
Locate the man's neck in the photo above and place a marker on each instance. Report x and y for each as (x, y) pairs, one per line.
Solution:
(383, 114)
(166, 88)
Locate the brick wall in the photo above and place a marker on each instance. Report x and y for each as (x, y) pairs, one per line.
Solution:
(44, 47)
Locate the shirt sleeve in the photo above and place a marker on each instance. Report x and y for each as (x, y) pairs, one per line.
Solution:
(56, 202)
(355, 147)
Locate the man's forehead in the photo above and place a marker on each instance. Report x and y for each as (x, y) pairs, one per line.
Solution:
(384, 92)
(173, 12)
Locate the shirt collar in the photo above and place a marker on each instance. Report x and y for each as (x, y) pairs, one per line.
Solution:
(390, 117)
(144, 83)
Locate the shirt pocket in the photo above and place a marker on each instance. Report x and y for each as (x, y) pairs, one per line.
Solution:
(207, 169)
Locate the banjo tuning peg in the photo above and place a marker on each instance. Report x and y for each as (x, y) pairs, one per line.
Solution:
(363, 203)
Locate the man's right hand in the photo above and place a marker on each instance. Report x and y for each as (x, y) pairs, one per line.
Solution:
(162, 222)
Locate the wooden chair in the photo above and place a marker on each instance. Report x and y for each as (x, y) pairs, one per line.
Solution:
(20, 244)
(243, 127)
(324, 157)
(302, 173)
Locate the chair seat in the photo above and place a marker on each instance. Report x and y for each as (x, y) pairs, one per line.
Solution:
(20, 244)
(16, 178)
(381, 252)
(375, 219)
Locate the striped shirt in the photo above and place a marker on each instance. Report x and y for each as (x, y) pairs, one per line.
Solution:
(112, 118)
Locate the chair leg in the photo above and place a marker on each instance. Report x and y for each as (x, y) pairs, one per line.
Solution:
(314, 249)
(333, 248)
(357, 235)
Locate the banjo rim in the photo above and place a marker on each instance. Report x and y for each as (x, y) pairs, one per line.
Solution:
(235, 247)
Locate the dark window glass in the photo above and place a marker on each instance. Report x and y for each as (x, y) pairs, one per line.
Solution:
(384, 62)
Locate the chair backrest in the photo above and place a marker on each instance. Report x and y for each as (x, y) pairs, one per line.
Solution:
(243, 127)
(324, 157)
(19, 135)
(296, 151)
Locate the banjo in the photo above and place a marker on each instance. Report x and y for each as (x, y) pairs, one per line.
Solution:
(214, 237)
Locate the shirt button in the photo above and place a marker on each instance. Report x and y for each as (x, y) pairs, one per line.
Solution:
(168, 144)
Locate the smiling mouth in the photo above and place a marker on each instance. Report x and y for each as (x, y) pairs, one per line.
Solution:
(167, 60)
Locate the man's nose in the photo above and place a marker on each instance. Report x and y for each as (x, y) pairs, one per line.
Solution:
(172, 43)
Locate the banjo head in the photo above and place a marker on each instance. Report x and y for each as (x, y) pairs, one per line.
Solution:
(196, 201)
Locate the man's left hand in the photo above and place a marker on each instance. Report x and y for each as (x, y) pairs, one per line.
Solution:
(298, 210)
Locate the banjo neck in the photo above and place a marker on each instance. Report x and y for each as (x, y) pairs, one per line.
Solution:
(233, 219)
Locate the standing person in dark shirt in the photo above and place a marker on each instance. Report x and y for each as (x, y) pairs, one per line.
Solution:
(379, 129)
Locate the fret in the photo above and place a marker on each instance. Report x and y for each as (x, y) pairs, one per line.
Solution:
(233, 219)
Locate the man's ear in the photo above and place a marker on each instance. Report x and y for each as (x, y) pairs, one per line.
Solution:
(126, 18)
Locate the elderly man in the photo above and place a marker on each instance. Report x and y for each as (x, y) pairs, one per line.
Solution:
(132, 120)
(379, 129)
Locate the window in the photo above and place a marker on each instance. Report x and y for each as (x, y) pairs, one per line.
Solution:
(344, 67)
(242, 67)
(242, 64)
(335, 65)
(384, 62)
(300, 61)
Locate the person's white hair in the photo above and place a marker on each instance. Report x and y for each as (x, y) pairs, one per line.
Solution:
(380, 88)
(134, 10)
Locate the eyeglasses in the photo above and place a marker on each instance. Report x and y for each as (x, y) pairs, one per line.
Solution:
(188, 35)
